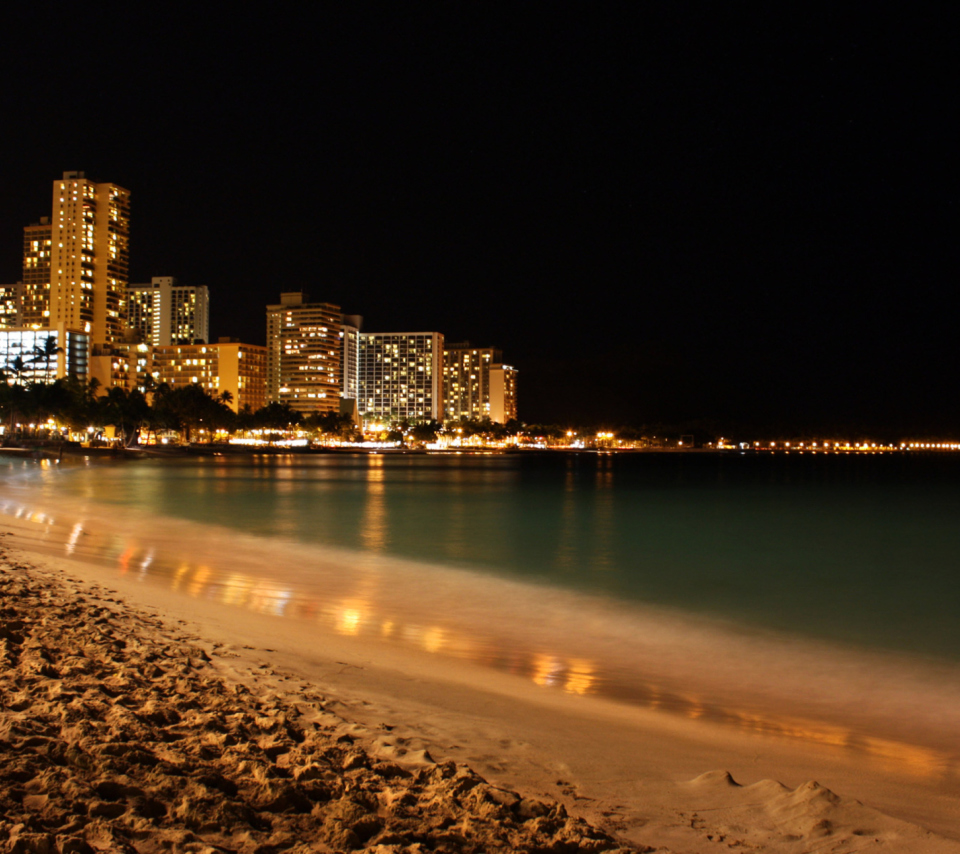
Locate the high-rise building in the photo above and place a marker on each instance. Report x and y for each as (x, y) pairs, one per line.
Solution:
(165, 312)
(89, 256)
(401, 376)
(466, 380)
(35, 292)
(503, 393)
(303, 354)
(10, 305)
(350, 356)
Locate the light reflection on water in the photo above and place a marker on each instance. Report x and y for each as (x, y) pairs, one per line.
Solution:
(751, 540)
(360, 607)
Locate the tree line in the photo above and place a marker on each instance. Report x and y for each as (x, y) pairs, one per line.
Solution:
(84, 407)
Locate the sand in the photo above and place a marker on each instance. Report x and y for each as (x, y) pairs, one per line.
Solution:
(135, 719)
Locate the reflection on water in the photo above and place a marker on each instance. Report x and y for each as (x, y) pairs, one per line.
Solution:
(753, 540)
(567, 558)
(359, 612)
(373, 526)
(603, 524)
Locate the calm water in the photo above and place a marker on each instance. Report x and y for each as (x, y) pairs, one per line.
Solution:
(857, 549)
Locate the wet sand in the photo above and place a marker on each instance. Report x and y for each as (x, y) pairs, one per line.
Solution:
(137, 718)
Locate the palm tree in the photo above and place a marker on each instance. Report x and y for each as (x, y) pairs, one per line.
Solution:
(18, 366)
(44, 354)
(126, 410)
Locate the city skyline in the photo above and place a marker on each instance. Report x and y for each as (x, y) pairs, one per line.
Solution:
(317, 360)
(660, 215)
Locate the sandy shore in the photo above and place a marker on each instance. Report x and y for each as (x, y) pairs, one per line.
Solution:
(134, 719)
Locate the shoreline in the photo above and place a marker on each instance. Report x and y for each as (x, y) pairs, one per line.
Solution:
(57, 451)
(119, 732)
(626, 770)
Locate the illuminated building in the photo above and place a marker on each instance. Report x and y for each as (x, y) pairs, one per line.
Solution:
(303, 354)
(10, 306)
(401, 376)
(89, 256)
(350, 356)
(503, 393)
(466, 380)
(164, 312)
(228, 365)
(120, 365)
(38, 365)
(35, 290)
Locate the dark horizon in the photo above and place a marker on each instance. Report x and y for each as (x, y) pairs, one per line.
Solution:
(668, 214)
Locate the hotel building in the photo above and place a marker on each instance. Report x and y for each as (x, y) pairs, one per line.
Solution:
(35, 289)
(68, 355)
(303, 354)
(10, 305)
(466, 380)
(89, 256)
(165, 312)
(503, 393)
(228, 365)
(400, 376)
(75, 266)
(478, 385)
(350, 356)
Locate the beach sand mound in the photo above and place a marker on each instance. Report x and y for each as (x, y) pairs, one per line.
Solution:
(118, 733)
(768, 816)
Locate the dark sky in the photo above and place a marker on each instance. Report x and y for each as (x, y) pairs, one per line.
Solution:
(742, 215)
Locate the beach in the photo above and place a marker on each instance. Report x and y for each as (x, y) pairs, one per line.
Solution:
(137, 718)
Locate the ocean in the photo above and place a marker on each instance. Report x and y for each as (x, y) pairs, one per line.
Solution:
(653, 578)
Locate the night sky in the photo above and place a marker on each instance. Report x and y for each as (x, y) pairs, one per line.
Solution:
(735, 216)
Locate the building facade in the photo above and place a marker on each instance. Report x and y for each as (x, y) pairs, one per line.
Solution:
(34, 297)
(503, 393)
(43, 355)
(303, 354)
(400, 376)
(350, 356)
(165, 312)
(466, 380)
(227, 366)
(89, 256)
(10, 305)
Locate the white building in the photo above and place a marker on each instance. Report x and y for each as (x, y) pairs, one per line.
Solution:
(350, 356)
(43, 355)
(165, 312)
(401, 376)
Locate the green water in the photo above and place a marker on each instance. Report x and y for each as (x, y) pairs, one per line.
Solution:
(859, 549)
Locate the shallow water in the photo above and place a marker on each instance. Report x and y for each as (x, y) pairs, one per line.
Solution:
(716, 587)
(861, 549)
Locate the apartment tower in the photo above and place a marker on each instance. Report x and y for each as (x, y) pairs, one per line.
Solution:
(401, 376)
(165, 312)
(466, 379)
(34, 297)
(303, 354)
(89, 256)
(503, 393)
(10, 305)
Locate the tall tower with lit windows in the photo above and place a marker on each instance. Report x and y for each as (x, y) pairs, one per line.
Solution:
(35, 288)
(401, 376)
(303, 354)
(89, 256)
(166, 312)
(466, 380)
